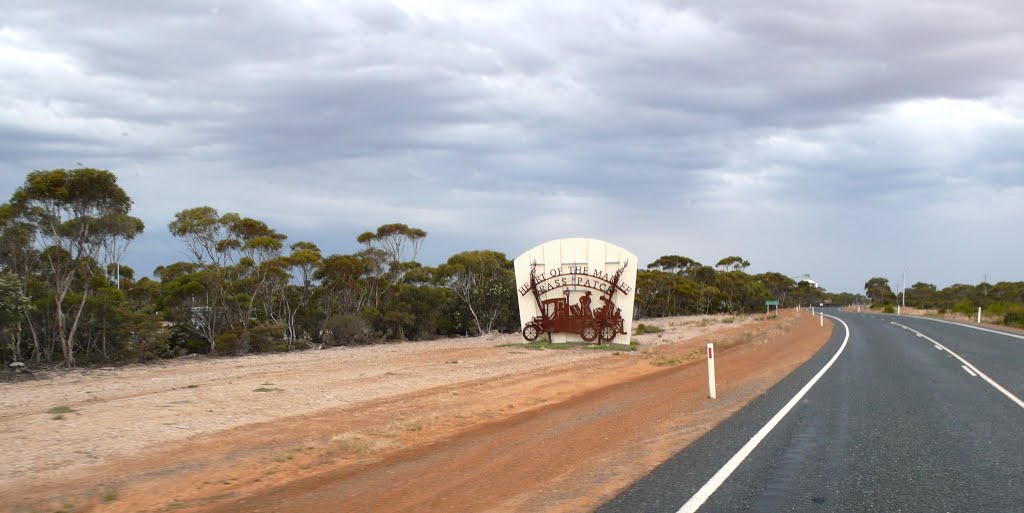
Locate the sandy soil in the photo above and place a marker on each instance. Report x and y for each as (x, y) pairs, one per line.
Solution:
(515, 429)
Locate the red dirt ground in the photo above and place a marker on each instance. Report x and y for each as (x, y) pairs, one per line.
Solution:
(559, 439)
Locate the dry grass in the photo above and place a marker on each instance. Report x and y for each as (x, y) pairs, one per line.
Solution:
(362, 444)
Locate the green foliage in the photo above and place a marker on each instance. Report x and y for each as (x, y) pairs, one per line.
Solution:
(964, 307)
(1001, 308)
(544, 344)
(255, 339)
(230, 343)
(79, 218)
(347, 329)
(65, 297)
(1014, 319)
(485, 282)
(182, 341)
(644, 329)
(540, 344)
(1004, 300)
(614, 348)
(673, 264)
(13, 303)
(889, 309)
(677, 285)
(734, 263)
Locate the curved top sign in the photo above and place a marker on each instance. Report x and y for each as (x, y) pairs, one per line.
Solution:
(559, 280)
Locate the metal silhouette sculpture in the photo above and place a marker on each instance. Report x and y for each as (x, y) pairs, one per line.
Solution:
(559, 316)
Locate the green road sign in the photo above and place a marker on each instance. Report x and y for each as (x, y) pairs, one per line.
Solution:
(771, 303)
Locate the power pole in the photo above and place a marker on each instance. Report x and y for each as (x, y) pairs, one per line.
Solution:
(984, 281)
(904, 289)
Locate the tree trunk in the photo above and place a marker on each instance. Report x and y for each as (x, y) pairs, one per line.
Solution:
(70, 341)
(103, 338)
(35, 337)
(17, 342)
(494, 316)
(476, 319)
(65, 347)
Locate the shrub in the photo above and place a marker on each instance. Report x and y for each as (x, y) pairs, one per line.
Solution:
(231, 343)
(267, 338)
(181, 342)
(1002, 308)
(257, 339)
(1015, 319)
(965, 307)
(643, 329)
(346, 330)
(145, 348)
(889, 309)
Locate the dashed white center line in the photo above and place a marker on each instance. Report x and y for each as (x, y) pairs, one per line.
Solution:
(969, 371)
(979, 328)
(967, 366)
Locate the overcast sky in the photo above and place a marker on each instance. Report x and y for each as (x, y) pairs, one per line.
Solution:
(841, 139)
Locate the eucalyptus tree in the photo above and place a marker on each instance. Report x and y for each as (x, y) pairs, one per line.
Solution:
(674, 264)
(878, 290)
(14, 306)
(73, 215)
(733, 263)
(669, 287)
(389, 250)
(197, 290)
(777, 284)
(485, 282)
(342, 290)
(708, 293)
(235, 263)
(21, 259)
(119, 231)
(292, 288)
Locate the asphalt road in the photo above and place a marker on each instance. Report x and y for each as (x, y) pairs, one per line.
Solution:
(895, 424)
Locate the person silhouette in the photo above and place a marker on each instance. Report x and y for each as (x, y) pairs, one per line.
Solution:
(585, 305)
(606, 308)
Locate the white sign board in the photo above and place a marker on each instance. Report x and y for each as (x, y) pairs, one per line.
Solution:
(577, 290)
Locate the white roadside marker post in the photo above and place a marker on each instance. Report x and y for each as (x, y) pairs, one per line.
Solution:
(822, 317)
(711, 370)
(897, 309)
(979, 315)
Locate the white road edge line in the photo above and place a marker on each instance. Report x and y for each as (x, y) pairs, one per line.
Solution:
(730, 466)
(979, 328)
(969, 371)
(967, 364)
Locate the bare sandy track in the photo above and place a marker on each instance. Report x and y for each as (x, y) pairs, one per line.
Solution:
(194, 435)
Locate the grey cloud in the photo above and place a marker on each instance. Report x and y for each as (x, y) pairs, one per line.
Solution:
(499, 124)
